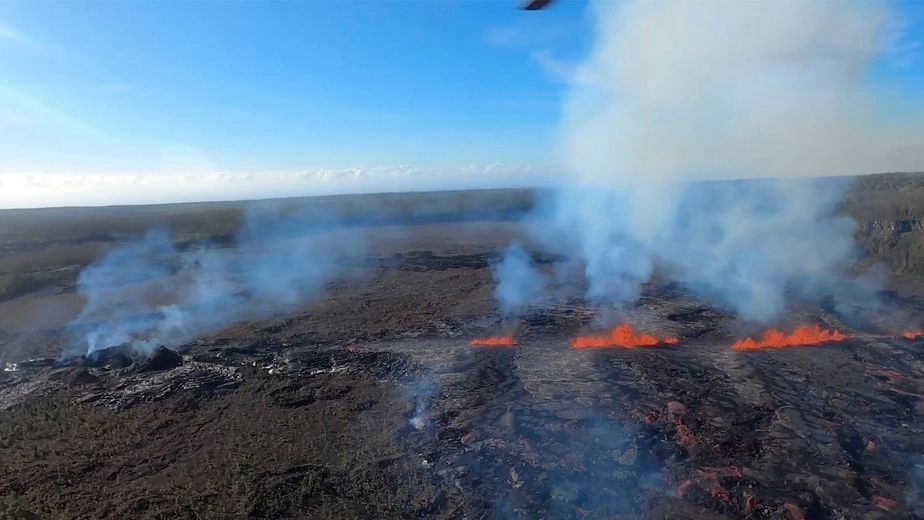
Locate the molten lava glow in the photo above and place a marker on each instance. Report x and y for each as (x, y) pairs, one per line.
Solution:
(913, 334)
(623, 337)
(803, 336)
(502, 341)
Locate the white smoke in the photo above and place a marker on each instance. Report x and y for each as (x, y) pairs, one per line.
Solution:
(676, 94)
(519, 283)
(148, 293)
(721, 89)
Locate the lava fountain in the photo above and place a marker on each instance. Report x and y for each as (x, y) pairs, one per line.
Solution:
(622, 336)
(801, 337)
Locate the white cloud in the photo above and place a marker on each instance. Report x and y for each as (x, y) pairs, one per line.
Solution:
(562, 70)
(10, 35)
(39, 112)
(904, 54)
(526, 32)
(904, 45)
(29, 190)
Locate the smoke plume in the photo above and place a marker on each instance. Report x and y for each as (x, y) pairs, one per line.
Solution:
(149, 293)
(691, 90)
(518, 282)
(697, 135)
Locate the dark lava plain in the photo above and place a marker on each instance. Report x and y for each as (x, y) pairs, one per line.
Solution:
(369, 403)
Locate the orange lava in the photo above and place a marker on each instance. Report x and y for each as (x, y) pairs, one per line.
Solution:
(623, 336)
(803, 336)
(793, 511)
(710, 481)
(502, 341)
(886, 504)
(913, 334)
(749, 504)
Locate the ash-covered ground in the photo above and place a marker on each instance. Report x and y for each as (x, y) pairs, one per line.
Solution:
(369, 402)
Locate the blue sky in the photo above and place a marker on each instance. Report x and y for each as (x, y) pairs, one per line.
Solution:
(137, 86)
(193, 88)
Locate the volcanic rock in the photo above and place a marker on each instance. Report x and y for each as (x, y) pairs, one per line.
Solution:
(162, 359)
(629, 457)
(675, 410)
(36, 363)
(79, 376)
(113, 357)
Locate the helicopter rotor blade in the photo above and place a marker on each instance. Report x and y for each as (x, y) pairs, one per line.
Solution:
(535, 5)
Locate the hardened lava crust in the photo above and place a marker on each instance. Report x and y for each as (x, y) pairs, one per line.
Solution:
(372, 401)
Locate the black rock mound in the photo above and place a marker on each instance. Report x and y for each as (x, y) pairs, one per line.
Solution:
(162, 359)
(113, 357)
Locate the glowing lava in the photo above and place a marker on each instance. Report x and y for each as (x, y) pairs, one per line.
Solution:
(502, 341)
(803, 336)
(913, 334)
(621, 337)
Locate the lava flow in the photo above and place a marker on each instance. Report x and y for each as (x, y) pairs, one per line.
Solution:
(803, 336)
(913, 334)
(502, 341)
(623, 337)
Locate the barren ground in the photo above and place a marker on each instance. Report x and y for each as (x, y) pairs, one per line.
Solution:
(369, 403)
